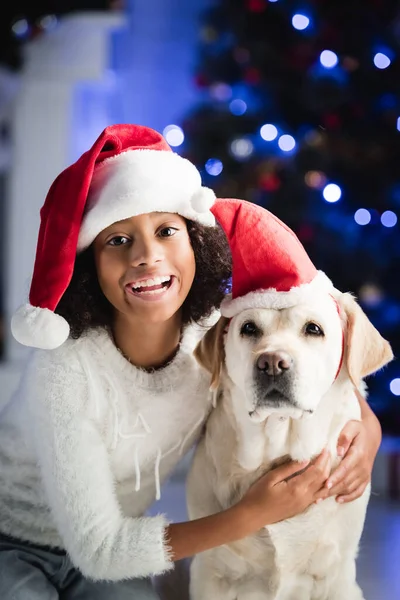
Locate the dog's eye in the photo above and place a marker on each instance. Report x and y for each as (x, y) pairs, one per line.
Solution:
(249, 329)
(313, 329)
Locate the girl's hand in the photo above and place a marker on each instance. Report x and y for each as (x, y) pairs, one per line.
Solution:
(351, 477)
(286, 491)
(278, 495)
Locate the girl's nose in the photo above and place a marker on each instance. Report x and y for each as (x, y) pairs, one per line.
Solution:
(146, 253)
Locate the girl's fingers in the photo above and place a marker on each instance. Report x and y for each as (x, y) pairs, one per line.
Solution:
(353, 496)
(347, 485)
(347, 436)
(317, 473)
(348, 464)
(284, 472)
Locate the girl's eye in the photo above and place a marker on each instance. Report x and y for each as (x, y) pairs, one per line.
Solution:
(313, 329)
(118, 240)
(167, 231)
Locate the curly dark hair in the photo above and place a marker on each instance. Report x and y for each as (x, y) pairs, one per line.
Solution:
(84, 305)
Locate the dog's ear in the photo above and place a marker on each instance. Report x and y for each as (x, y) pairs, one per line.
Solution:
(209, 352)
(366, 351)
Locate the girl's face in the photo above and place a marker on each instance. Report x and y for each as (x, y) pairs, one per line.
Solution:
(146, 265)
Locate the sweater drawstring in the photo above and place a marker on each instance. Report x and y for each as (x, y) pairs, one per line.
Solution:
(159, 456)
(137, 470)
(127, 436)
(157, 474)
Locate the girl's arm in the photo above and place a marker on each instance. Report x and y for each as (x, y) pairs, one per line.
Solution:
(80, 487)
(359, 442)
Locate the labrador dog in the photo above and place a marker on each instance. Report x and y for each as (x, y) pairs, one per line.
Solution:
(284, 384)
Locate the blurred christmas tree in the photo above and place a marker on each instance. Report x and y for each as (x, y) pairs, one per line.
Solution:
(300, 113)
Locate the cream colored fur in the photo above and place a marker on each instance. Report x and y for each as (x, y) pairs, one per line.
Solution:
(311, 556)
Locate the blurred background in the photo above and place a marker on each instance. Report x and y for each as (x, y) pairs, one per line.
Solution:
(291, 104)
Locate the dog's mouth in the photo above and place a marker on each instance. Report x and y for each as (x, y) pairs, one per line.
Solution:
(276, 401)
(276, 397)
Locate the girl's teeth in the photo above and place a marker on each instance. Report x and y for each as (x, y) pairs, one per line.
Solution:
(158, 291)
(151, 282)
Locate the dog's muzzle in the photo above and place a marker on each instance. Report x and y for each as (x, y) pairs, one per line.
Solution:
(273, 375)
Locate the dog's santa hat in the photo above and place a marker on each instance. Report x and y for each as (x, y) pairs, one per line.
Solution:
(130, 170)
(271, 269)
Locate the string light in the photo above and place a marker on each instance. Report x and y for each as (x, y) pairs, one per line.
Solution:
(362, 216)
(238, 107)
(214, 167)
(328, 59)
(286, 143)
(389, 218)
(395, 386)
(174, 135)
(300, 22)
(370, 294)
(221, 91)
(315, 179)
(242, 148)
(332, 192)
(381, 60)
(48, 22)
(268, 132)
(20, 28)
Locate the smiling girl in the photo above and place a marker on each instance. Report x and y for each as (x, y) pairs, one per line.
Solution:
(129, 267)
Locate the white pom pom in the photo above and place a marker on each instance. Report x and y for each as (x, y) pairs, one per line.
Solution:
(202, 200)
(39, 327)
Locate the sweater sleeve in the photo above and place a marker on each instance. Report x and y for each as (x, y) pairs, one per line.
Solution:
(80, 487)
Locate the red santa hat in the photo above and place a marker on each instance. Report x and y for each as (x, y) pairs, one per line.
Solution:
(271, 269)
(130, 170)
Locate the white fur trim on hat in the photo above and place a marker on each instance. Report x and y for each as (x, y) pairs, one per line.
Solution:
(202, 200)
(271, 298)
(142, 181)
(39, 327)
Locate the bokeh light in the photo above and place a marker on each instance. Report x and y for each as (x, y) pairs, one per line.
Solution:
(221, 91)
(242, 148)
(332, 192)
(371, 295)
(268, 132)
(48, 22)
(238, 107)
(381, 61)
(362, 216)
(328, 59)
(395, 386)
(315, 179)
(286, 142)
(389, 218)
(214, 167)
(174, 135)
(300, 22)
(20, 28)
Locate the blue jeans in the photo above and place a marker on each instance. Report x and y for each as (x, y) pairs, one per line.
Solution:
(29, 572)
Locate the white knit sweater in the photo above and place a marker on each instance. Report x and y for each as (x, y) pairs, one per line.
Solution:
(84, 445)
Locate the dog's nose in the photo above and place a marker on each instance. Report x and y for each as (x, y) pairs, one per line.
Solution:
(274, 363)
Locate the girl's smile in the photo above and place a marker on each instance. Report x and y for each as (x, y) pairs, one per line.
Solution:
(153, 288)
